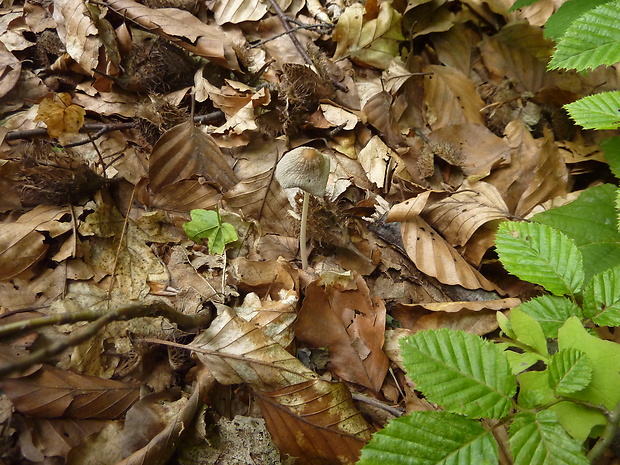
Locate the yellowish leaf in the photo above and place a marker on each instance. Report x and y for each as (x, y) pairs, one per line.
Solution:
(62, 118)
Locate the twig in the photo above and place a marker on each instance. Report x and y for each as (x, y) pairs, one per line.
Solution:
(377, 403)
(289, 31)
(100, 320)
(613, 419)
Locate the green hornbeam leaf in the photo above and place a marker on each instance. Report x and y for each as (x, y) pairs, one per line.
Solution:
(520, 362)
(541, 255)
(540, 440)
(551, 312)
(590, 221)
(601, 298)
(591, 40)
(611, 148)
(556, 25)
(528, 331)
(598, 111)
(207, 224)
(425, 438)
(534, 389)
(570, 371)
(460, 371)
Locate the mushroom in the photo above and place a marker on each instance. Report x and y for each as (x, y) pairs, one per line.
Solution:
(307, 169)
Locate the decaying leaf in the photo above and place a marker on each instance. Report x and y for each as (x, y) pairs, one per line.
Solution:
(10, 69)
(315, 421)
(62, 118)
(345, 319)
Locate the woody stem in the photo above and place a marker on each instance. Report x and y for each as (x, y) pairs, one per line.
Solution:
(302, 233)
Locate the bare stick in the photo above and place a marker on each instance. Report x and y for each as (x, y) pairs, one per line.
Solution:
(290, 32)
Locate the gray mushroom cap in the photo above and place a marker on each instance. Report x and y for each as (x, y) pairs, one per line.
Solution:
(305, 168)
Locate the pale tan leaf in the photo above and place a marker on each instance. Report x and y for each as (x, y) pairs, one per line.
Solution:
(375, 158)
(182, 28)
(408, 209)
(433, 256)
(236, 351)
(450, 98)
(459, 216)
(237, 11)
(185, 152)
(344, 318)
(348, 30)
(475, 306)
(51, 393)
(21, 243)
(10, 70)
(78, 32)
(315, 421)
(520, 53)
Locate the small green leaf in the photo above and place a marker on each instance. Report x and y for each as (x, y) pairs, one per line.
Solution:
(570, 371)
(601, 298)
(590, 221)
(611, 148)
(521, 362)
(528, 331)
(460, 371)
(534, 389)
(521, 4)
(551, 312)
(540, 440)
(505, 326)
(598, 111)
(541, 255)
(207, 224)
(427, 438)
(591, 40)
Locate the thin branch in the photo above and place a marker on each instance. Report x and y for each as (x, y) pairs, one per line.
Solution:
(613, 419)
(57, 347)
(377, 403)
(289, 31)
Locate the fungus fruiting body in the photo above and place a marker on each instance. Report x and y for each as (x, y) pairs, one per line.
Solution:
(307, 169)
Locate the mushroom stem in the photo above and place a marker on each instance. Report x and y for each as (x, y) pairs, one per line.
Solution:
(302, 232)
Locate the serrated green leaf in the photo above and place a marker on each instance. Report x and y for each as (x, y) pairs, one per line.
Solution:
(601, 298)
(551, 312)
(590, 222)
(505, 326)
(541, 255)
(556, 25)
(431, 438)
(591, 40)
(598, 111)
(570, 371)
(528, 331)
(461, 371)
(540, 440)
(611, 148)
(207, 224)
(534, 389)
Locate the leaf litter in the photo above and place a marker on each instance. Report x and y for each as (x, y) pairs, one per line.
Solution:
(136, 344)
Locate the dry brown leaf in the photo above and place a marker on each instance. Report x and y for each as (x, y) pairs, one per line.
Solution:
(21, 243)
(536, 173)
(202, 39)
(454, 47)
(41, 438)
(478, 150)
(10, 70)
(450, 98)
(433, 256)
(77, 30)
(455, 307)
(520, 53)
(345, 319)
(430, 17)
(185, 152)
(316, 422)
(261, 197)
(236, 351)
(184, 196)
(52, 393)
(459, 216)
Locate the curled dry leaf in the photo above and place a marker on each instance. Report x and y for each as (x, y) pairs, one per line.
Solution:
(344, 318)
(52, 393)
(433, 256)
(237, 11)
(315, 421)
(185, 152)
(182, 28)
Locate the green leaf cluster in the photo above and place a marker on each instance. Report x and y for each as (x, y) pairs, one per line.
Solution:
(566, 378)
(207, 224)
